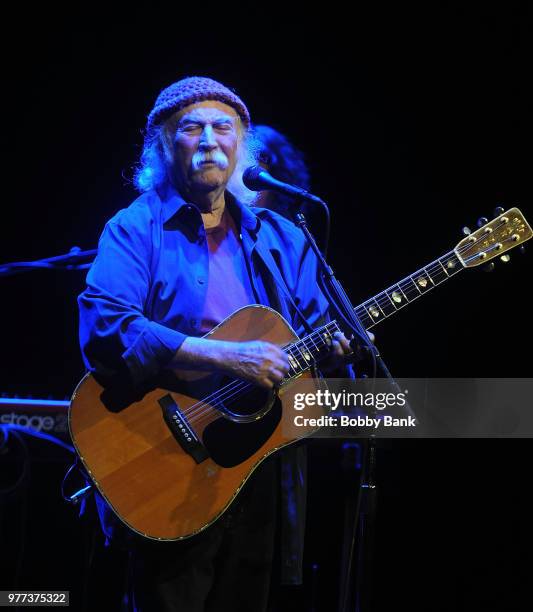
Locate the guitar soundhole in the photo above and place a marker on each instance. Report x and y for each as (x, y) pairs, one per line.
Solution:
(246, 400)
(230, 443)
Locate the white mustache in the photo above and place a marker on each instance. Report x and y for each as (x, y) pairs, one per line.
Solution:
(216, 157)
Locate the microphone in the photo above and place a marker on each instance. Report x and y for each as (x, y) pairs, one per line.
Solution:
(258, 179)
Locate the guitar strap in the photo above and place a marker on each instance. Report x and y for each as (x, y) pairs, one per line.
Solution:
(272, 267)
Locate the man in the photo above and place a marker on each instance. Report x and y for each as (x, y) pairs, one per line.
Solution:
(284, 162)
(180, 259)
(281, 159)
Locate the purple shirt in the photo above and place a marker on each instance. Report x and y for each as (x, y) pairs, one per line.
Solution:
(228, 286)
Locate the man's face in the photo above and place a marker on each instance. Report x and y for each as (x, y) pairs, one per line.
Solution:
(205, 146)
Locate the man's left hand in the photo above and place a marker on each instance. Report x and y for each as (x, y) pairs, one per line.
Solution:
(340, 350)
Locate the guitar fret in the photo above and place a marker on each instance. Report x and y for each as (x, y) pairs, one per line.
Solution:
(308, 352)
(421, 281)
(367, 313)
(374, 310)
(445, 271)
(411, 289)
(416, 286)
(403, 293)
(320, 337)
(362, 315)
(303, 357)
(378, 304)
(451, 263)
(439, 271)
(327, 335)
(398, 299)
(429, 276)
(310, 337)
(437, 275)
(293, 362)
(334, 324)
(392, 299)
(385, 303)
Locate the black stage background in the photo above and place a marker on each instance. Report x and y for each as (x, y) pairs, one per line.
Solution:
(414, 123)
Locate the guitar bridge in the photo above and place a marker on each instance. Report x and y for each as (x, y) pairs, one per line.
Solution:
(181, 430)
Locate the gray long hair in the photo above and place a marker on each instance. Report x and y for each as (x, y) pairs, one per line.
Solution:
(155, 165)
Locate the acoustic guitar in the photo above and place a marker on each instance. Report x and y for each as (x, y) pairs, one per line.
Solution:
(170, 458)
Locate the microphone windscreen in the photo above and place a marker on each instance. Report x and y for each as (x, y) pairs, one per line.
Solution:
(251, 178)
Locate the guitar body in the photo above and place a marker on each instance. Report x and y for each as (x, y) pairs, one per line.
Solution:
(146, 471)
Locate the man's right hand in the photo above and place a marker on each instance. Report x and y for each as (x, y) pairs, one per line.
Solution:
(261, 363)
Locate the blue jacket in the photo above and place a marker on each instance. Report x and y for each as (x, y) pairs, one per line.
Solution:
(146, 291)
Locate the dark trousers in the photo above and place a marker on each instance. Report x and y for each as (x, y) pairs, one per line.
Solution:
(227, 567)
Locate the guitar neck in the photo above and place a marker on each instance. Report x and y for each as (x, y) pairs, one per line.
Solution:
(397, 296)
(310, 349)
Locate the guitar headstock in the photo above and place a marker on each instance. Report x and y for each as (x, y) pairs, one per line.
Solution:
(505, 232)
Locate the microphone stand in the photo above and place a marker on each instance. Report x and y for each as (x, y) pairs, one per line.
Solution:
(362, 537)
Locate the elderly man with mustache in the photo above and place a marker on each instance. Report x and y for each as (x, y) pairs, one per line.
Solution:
(171, 266)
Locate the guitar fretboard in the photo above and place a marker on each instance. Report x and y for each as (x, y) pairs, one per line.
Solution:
(397, 296)
(309, 350)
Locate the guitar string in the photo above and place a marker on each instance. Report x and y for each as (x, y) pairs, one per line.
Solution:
(239, 389)
(195, 411)
(318, 332)
(239, 385)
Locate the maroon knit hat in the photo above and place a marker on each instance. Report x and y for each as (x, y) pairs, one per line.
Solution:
(192, 90)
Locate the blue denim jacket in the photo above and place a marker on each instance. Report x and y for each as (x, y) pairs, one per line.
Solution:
(146, 292)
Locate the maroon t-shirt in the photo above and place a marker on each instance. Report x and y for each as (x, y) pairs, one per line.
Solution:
(229, 286)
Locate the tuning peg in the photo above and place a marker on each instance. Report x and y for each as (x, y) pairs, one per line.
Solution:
(522, 249)
(466, 230)
(488, 267)
(499, 210)
(482, 221)
(506, 258)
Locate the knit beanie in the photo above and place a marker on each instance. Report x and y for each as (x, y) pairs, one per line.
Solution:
(189, 91)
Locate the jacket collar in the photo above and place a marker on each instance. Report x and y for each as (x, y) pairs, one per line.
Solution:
(172, 203)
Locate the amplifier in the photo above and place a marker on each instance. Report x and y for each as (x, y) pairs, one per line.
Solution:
(46, 416)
